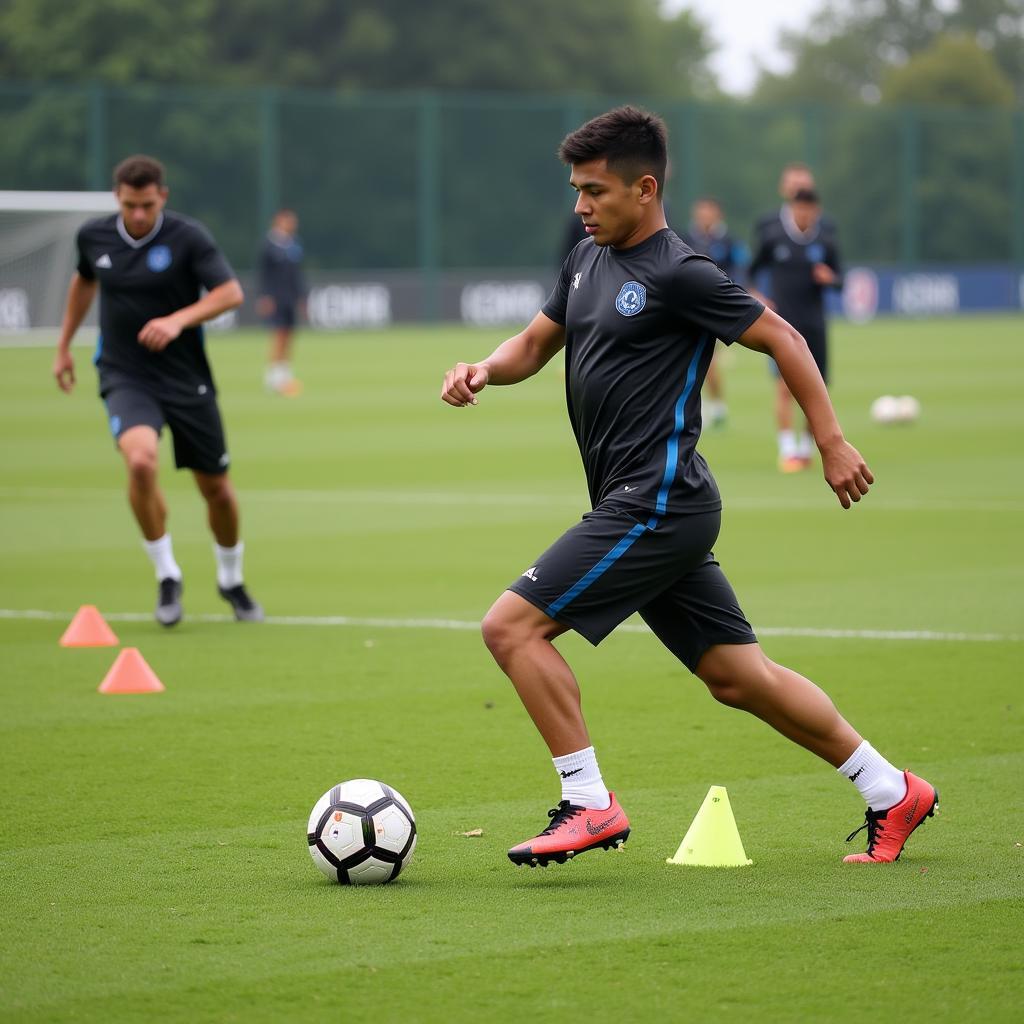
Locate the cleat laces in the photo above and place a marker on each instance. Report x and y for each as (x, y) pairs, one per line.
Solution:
(560, 815)
(872, 822)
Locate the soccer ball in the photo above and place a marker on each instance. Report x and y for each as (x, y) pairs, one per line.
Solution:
(890, 409)
(361, 832)
(884, 409)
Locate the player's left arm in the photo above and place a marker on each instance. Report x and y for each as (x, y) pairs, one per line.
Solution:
(158, 333)
(844, 467)
(214, 273)
(829, 273)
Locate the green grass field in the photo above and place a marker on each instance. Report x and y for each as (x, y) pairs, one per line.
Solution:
(153, 862)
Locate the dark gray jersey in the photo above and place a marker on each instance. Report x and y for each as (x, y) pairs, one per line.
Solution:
(144, 278)
(640, 328)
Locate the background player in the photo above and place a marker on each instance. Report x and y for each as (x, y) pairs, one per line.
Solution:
(282, 292)
(798, 252)
(150, 265)
(636, 313)
(709, 234)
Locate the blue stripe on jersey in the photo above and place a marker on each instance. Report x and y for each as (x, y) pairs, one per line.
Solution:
(672, 448)
(99, 349)
(613, 556)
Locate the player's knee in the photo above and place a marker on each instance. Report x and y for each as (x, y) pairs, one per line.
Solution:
(217, 490)
(734, 684)
(498, 635)
(142, 466)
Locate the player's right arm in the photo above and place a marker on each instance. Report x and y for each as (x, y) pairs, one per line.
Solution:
(519, 357)
(81, 292)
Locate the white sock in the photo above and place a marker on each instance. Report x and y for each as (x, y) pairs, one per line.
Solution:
(229, 565)
(787, 444)
(803, 445)
(161, 554)
(881, 785)
(581, 780)
(278, 374)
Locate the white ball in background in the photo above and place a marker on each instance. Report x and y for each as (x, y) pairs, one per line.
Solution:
(884, 409)
(908, 409)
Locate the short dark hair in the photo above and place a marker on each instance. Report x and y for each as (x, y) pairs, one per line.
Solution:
(806, 195)
(632, 141)
(139, 171)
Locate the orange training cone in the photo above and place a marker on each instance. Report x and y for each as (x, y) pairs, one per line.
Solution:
(131, 674)
(88, 629)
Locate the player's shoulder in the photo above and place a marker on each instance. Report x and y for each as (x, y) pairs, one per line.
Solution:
(98, 227)
(179, 225)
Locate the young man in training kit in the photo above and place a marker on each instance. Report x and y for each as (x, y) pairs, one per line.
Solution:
(797, 249)
(282, 292)
(149, 266)
(638, 313)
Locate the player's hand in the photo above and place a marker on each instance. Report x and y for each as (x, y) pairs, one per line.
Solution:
(64, 371)
(846, 472)
(159, 333)
(264, 306)
(823, 274)
(462, 383)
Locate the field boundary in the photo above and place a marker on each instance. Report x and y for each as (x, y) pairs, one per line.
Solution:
(812, 632)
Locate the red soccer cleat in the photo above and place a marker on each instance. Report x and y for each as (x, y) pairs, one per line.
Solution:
(888, 831)
(573, 830)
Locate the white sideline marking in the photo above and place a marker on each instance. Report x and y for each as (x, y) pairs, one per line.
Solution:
(462, 625)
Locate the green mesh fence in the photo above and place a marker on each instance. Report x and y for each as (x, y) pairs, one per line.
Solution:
(437, 181)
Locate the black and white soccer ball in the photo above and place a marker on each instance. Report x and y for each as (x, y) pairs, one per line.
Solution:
(361, 832)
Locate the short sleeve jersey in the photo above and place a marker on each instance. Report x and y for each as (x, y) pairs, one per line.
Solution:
(140, 279)
(640, 326)
(281, 269)
(727, 253)
(787, 257)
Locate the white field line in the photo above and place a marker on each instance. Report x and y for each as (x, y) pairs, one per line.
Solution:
(463, 625)
(506, 499)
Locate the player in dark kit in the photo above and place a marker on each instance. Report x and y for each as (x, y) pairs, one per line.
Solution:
(150, 266)
(638, 313)
(797, 250)
(282, 293)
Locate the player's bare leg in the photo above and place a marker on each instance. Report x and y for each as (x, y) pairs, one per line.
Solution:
(714, 410)
(223, 517)
(789, 457)
(140, 447)
(588, 817)
(279, 366)
(742, 676)
(519, 636)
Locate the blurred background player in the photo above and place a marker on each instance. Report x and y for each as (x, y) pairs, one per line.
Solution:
(709, 234)
(282, 294)
(797, 251)
(150, 266)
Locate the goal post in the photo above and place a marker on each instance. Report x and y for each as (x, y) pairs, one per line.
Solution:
(37, 253)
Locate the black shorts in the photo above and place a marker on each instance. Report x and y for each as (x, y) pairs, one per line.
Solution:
(195, 424)
(284, 315)
(618, 560)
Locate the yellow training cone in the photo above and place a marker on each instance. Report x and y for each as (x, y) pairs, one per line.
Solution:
(712, 840)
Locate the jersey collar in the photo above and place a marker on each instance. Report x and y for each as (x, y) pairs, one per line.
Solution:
(795, 234)
(138, 243)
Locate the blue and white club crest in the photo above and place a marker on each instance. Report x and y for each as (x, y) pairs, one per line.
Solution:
(158, 258)
(631, 299)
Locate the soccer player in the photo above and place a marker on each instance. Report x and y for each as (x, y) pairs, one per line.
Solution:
(797, 249)
(637, 313)
(282, 292)
(709, 234)
(149, 266)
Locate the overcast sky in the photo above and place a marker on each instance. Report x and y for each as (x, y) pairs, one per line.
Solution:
(746, 32)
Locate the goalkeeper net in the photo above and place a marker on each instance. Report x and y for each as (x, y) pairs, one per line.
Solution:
(37, 253)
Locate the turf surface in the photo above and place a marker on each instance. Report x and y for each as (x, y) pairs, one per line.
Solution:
(153, 861)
